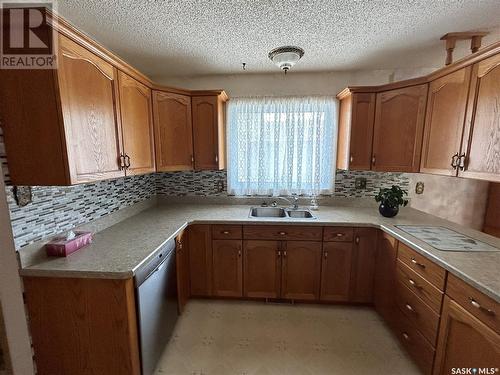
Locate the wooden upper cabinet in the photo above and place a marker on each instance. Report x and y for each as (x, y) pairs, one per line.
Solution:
(398, 128)
(227, 268)
(354, 148)
(444, 122)
(173, 131)
(209, 132)
(261, 269)
(301, 270)
(464, 341)
(481, 141)
(137, 125)
(88, 89)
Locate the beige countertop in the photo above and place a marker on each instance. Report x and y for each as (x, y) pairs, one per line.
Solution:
(120, 250)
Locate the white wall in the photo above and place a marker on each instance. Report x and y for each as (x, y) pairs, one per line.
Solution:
(279, 84)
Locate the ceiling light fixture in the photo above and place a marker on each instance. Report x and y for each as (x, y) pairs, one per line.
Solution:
(286, 57)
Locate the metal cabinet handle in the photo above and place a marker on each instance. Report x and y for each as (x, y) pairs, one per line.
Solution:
(282, 233)
(127, 161)
(239, 253)
(373, 159)
(339, 234)
(351, 159)
(225, 232)
(122, 161)
(192, 159)
(406, 336)
(326, 254)
(279, 253)
(478, 306)
(454, 160)
(461, 162)
(284, 254)
(413, 283)
(414, 261)
(216, 158)
(356, 239)
(409, 308)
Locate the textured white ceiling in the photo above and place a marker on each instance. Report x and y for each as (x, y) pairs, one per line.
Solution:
(200, 37)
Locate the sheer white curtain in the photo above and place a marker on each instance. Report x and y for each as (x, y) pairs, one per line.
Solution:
(279, 146)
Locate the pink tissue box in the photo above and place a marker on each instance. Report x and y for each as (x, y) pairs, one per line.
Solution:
(61, 247)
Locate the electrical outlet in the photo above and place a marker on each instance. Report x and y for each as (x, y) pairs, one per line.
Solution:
(419, 188)
(360, 183)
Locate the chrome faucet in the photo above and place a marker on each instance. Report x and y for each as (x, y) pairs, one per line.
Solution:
(294, 203)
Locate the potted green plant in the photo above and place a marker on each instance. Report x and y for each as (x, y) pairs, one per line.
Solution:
(390, 199)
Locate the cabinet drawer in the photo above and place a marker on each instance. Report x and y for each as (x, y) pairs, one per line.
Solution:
(423, 266)
(417, 312)
(338, 234)
(427, 292)
(481, 306)
(282, 232)
(415, 343)
(226, 232)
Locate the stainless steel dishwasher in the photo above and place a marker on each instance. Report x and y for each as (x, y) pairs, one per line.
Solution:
(157, 310)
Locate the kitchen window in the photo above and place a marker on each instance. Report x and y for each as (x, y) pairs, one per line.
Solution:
(280, 146)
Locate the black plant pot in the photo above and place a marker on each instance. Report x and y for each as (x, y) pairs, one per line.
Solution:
(388, 211)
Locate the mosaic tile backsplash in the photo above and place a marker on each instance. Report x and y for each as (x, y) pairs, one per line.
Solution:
(209, 183)
(55, 209)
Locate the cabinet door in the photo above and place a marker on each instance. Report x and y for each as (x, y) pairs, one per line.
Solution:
(137, 125)
(262, 269)
(363, 265)
(399, 124)
(301, 270)
(336, 271)
(182, 267)
(482, 131)
(89, 100)
(385, 277)
(200, 260)
(205, 132)
(444, 122)
(227, 268)
(464, 341)
(173, 131)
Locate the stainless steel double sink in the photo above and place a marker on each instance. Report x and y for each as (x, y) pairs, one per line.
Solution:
(280, 213)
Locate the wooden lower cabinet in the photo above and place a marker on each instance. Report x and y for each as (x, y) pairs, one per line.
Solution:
(336, 271)
(200, 260)
(301, 270)
(363, 265)
(385, 277)
(227, 268)
(465, 341)
(261, 269)
(182, 268)
(83, 326)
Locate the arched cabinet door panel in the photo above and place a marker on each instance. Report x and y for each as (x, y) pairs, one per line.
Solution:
(398, 128)
(137, 125)
(88, 89)
(444, 122)
(481, 142)
(173, 131)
